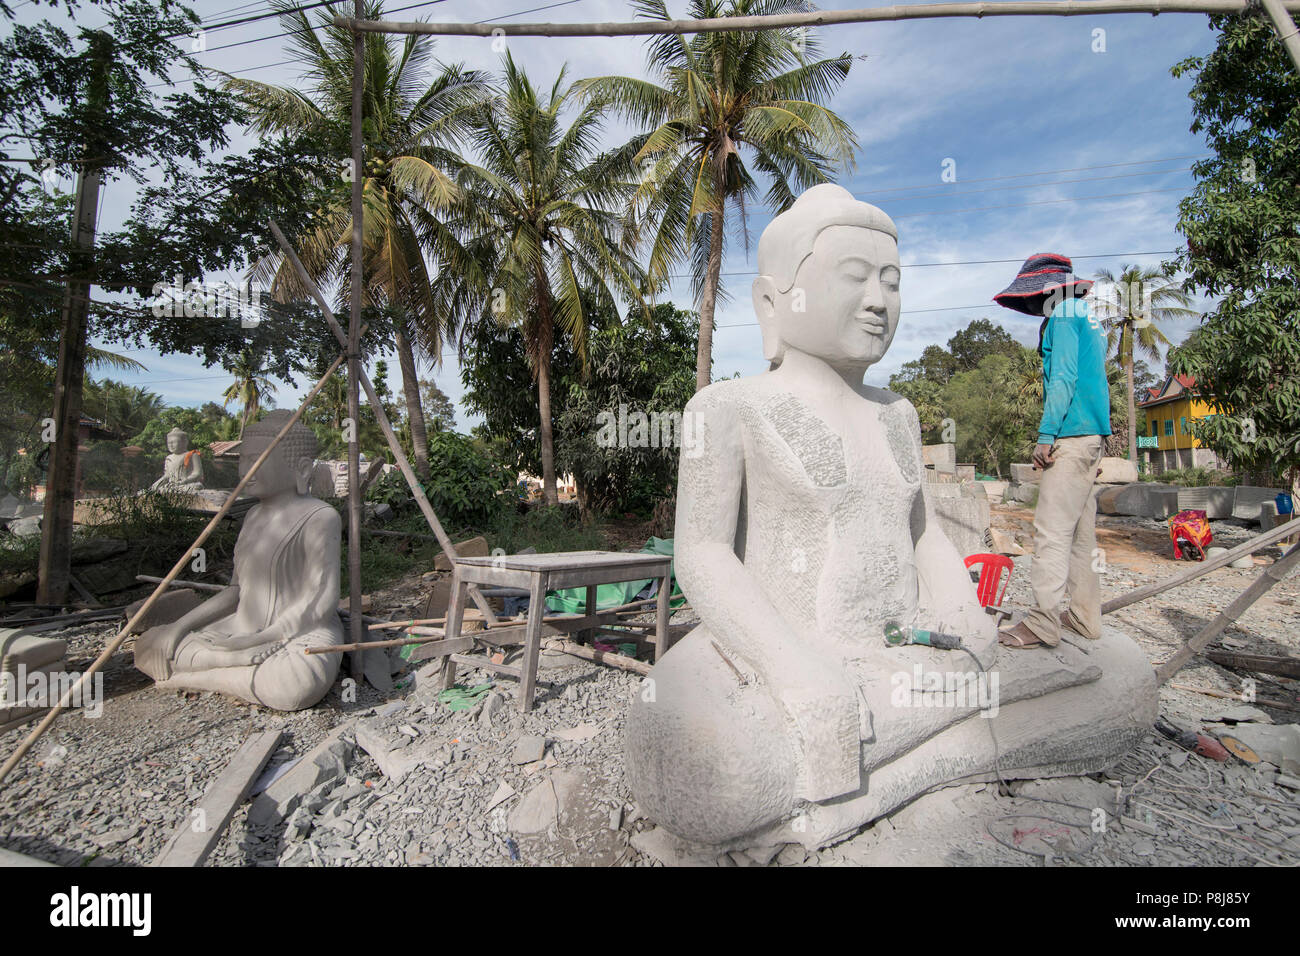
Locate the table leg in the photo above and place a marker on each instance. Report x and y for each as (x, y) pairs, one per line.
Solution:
(451, 630)
(532, 640)
(589, 634)
(661, 615)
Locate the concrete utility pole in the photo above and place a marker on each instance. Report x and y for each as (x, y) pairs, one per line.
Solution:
(55, 567)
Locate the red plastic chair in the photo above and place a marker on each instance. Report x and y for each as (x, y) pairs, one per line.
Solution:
(991, 568)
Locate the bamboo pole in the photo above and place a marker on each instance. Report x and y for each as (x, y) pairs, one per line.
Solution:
(354, 347)
(1285, 27)
(196, 585)
(1272, 574)
(1204, 567)
(381, 417)
(126, 630)
(817, 18)
(620, 661)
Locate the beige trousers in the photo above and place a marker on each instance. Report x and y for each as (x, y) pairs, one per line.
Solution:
(1064, 541)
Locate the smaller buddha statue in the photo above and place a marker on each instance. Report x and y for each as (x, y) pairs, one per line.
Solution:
(249, 639)
(183, 467)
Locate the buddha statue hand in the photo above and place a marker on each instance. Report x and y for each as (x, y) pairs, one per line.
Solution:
(828, 714)
(155, 650)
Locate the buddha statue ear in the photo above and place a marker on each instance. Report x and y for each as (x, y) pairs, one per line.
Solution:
(302, 477)
(764, 295)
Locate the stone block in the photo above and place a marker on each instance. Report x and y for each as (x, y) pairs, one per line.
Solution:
(324, 763)
(1248, 499)
(1117, 471)
(472, 548)
(995, 490)
(1145, 499)
(942, 457)
(1025, 474)
(1215, 500)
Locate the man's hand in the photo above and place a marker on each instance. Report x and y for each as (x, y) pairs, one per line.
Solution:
(1044, 456)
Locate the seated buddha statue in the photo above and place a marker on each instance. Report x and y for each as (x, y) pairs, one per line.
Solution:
(803, 537)
(182, 468)
(248, 640)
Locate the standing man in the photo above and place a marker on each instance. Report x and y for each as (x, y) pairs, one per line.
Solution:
(1076, 417)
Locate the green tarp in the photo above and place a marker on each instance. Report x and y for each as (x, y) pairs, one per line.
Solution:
(574, 600)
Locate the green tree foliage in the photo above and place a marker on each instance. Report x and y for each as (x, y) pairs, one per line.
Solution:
(544, 240)
(936, 365)
(1240, 224)
(412, 119)
(122, 409)
(723, 97)
(468, 486)
(438, 408)
(982, 338)
(637, 368)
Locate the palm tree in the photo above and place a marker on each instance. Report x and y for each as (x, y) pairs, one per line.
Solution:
(411, 124)
(123, 409)
(250, 387)
(719, 93)
(541, 240)
(1142, 297)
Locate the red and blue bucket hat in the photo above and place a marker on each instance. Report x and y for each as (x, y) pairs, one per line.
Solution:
(1043, 274)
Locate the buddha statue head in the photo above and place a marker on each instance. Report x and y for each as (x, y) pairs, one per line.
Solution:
(288, 469)
(177, 441)
(828, 280)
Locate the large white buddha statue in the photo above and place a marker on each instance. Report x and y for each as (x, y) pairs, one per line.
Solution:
(182, 468)
(802, 534)
(248, 640)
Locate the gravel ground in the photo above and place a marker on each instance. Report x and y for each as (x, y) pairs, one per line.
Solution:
(111, 790)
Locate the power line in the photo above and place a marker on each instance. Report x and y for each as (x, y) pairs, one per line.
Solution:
(266, 66)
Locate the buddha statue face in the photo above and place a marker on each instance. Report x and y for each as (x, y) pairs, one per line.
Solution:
(177, 441)
(828, 283)
(287, 470)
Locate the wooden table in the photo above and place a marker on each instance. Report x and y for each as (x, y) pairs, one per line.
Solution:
(539, 573)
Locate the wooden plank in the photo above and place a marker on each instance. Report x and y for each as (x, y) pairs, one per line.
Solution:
(427, 652)
(190, 846)
(662, 614)
(1192, 573)
(533, 640)
(1260, 663)
(1272, 574)
(455, 617)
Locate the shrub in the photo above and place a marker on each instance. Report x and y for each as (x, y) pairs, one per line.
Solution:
(466, 483)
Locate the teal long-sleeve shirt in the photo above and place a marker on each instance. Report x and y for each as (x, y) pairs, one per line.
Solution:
(1076, 396)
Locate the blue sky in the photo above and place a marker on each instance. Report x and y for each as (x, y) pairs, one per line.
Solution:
(1056, 146)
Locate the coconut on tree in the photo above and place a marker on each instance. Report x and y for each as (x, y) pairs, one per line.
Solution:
(722, 107)
(414, 112)
(1141, 298)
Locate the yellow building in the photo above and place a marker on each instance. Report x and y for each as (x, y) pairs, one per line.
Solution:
(1168, 441)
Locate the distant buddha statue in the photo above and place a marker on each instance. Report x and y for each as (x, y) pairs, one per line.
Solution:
(183, 468)
(803, 539)
(249, 639)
